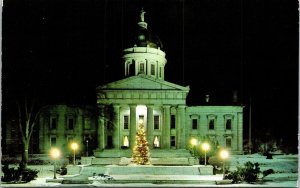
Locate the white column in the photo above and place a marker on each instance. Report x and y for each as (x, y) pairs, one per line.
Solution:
(132, 125)
(150, 125)
(240, 132)
(101, 128)
(166, 128)
(180, 127)
(116, 133)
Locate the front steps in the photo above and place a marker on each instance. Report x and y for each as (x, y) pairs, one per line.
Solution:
(155, 153)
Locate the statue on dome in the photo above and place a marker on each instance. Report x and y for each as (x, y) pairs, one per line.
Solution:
(142, 16)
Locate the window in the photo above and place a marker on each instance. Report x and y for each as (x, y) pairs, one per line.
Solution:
(125, 141)
(173, 121)
(87, 123)
(156, 142)
(156, 122)
(126, 122)
(141, 119)
(211, 124)
(173, 141)
(70, 123)
(53, 123)
(52, 141)
(152, 69)
(228, 142)
(194, 124)
(132, 69)
(160, 72)
(142, 68)
(228, 124)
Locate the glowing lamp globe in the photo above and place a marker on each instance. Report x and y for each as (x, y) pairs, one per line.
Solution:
(55, 153)
(74, 146)
(193, 141)
(224, 154)
(205, 146)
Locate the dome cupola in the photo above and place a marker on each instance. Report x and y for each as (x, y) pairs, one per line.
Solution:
(146, 55)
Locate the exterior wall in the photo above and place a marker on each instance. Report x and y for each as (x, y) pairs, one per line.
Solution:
(83, 132)
(219, 113)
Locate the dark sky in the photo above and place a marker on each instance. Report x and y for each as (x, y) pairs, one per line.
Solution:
(59, 51)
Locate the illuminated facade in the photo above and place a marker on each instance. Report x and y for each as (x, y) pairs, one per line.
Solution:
(144, 95)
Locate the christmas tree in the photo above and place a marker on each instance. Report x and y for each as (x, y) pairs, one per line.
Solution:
(141, 152)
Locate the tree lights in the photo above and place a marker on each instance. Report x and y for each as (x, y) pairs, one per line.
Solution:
(140, 154)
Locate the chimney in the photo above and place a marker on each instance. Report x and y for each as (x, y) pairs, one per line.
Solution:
(207, 98)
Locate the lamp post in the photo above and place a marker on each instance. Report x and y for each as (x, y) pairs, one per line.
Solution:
(87, 148)
(224, 154)
(74, 147)
(55, 153)
(194, 142)
(205, 147)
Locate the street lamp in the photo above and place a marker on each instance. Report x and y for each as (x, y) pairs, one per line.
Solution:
(194, 142)
(74, 147)
(224, 154)
(55, 154)
(205, 147)
(87, 147)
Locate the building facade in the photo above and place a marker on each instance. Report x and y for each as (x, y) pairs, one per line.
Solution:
(60, 125)
(143, 96)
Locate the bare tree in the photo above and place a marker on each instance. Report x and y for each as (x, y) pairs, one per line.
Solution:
(27, 118)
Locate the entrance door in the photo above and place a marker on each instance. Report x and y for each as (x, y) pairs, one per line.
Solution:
(109, 142)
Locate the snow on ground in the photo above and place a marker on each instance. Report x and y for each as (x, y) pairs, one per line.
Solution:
(285, 166)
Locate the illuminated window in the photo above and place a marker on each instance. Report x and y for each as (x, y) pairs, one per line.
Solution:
(194, 123)
(173, 121)
(52, 141)
(70, 123)
(228, 124)
(152, 69)
(53, 123)
(142, 68)
(125, 141)
(211, 124)
(126, 122)
(156, 142)
(228, 142)
(156, 122)
(173, 141)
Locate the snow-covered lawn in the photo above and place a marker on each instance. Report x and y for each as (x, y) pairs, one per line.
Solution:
(285, 167)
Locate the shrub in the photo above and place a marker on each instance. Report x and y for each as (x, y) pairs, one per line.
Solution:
(18, 175)
(10, 174)
(28, 174)
(249, 173)
(268, 172)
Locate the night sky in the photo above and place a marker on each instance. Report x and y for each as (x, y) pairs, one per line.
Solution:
(59, 51)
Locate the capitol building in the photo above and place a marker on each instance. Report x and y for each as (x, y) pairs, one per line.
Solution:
(142, 96)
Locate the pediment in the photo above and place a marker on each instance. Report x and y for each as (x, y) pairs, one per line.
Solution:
(142, 82)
